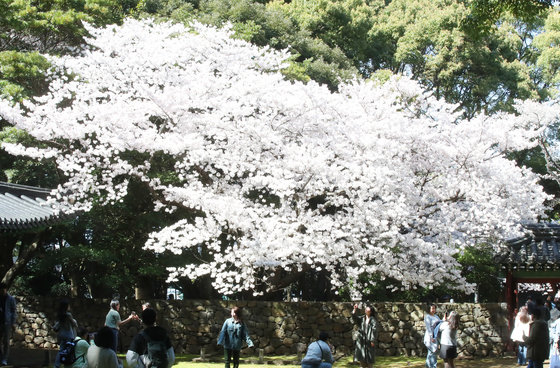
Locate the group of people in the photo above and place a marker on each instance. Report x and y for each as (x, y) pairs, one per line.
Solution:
(101, 352)
(536, 333)
(234, 333)
(441, 337)
(150, 347)
(319, 353)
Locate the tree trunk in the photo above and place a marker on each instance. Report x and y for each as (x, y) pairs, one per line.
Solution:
(7, 245)
(24, 257)
(144, 288)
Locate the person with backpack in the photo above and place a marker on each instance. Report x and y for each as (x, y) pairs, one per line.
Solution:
(81, 348)
(234, 332)
(65, 328)
(151, 348)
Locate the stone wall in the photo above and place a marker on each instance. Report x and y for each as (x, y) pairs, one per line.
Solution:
(277, 328)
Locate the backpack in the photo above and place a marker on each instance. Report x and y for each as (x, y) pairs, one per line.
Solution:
(156, 352)
(68, 353)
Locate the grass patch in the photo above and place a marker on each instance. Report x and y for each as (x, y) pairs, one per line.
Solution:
(185, 361)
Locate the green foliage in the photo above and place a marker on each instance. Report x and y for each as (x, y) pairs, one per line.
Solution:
(333, 40)
(49, 25)
(485, 13)
(426, 39)
(479, 267)
(265, 24)
(101, 253)
(22, 74)
(549, 59)
(30, 27)
(477, 53)
(25, 171)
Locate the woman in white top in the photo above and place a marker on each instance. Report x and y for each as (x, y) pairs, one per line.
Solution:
(520, 328)
(448, 329)
(101, 355)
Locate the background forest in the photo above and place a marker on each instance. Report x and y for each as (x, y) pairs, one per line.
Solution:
(482, 55)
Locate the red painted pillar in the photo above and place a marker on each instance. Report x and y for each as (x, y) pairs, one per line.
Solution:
(511, 295)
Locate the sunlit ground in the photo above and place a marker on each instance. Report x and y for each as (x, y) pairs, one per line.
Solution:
(382, 362)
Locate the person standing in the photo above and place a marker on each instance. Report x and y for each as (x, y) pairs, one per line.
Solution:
(318, 354)
(8, 316)
(554, 336)
(430, 320)
(538, 340)
(113, 321)
(521, 328)
(234, 332)
(65, 328)
(152, 346)
(448, 330)
(364, 352)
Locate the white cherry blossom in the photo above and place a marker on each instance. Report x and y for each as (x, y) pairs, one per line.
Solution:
(373, 179)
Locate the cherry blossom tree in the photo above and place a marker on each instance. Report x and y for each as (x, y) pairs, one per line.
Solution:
(279, 177)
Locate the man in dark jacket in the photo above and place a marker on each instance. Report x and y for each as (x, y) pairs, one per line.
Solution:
(151, 347)
(7, 322)
(537, 341)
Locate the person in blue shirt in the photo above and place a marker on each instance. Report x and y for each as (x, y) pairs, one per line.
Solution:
(318, 354)
(233, 333)
(430, 320)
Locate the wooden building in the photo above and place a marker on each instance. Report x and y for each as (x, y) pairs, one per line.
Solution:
(533, 258)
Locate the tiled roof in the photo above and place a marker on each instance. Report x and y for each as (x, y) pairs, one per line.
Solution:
(24, 207)
(538, 249)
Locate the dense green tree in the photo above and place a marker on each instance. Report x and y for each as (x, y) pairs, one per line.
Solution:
(485, 13)
(30, 27)
(266, 23)
(426, 39)
(481, 67)
(333, 39)
(548, 61)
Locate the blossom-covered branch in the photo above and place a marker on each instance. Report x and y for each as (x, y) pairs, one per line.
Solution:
(281, 175)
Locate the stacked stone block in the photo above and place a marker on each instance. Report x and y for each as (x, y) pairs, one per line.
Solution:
(277, 328)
